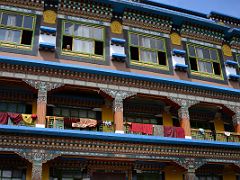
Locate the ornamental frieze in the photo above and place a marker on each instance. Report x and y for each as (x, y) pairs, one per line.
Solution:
(126, 82)
(114, 148)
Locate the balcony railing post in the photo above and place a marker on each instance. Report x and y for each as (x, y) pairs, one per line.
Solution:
(42, 87)
(183, 114)
(118, 96)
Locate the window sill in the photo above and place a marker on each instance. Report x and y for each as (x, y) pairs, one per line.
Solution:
(70, 53)
(15, 46)
(155, 66)
(201, 74)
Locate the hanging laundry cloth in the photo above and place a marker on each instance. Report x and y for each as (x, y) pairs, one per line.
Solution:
(85, 122)
(179, 132)
(15, 117)
(169, 131)
(136, 128)
(3, 118)
(147, 129)
(158, 130)
(27, 118)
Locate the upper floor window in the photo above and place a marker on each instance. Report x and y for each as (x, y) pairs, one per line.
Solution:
(148, 50)
(238, 59)
(16, 30)
(83, 40)
(204, 61)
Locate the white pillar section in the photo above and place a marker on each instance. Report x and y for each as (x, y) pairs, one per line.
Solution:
(230, 70)
(117, 49)
(47, 39)
(178, 60)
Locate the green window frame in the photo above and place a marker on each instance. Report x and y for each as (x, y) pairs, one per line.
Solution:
(84, 40)
(204, 61)
(148, 50)
(238, 59)
(17, 30)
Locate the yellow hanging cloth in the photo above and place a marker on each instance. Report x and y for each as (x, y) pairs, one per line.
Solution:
(27, 118)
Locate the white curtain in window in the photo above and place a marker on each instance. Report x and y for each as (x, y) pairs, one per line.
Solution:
(10, 35)
(69, 28)
(83, 46)
(148, 56)
(145, 42)
(82, 31)
(205, 66)
(11, 20)
(97, 33)
(199, 52)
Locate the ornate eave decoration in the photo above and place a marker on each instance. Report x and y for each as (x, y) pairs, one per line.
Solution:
(31, 4)
(148, 21)
(201, 33)
(114, 80)
(90, 10)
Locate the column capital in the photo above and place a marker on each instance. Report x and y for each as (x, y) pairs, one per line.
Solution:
(43, 86)
(37, 155)
(236, 116)
(184, 103)
(119, 96)
(190, 164)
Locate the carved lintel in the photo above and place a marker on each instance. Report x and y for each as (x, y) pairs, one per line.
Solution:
(37, 155)
(190, 164)
(118, 96)
(237, 164)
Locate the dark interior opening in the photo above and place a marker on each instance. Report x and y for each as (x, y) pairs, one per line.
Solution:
(162, 58)
(134, 53)
(27, 37)
(193, 63)
(98, 48)
(217, 69)
(67, 43)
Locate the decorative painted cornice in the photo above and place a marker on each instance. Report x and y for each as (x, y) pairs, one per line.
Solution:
(32, 4)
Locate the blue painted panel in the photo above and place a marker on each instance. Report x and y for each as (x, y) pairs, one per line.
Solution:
(48, 29)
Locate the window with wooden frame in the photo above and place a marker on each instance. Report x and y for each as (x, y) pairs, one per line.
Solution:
(17, 30)
(80, 39)
(204, 61)
(238, 59)
(148, 51)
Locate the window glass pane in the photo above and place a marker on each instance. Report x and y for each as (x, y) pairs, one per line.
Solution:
(205, 66)
(238, 59)
(91, 114)
(199, 52)
(145, 42)
(206, 54)
(6, 173)
(83, 46)
(98, 33)
(12, 20)
(65, 112)
(148, 56)
(69, 28)
(83, 113)
(213, 54)
(134, 39)
(191, 50)
(3, 106)
(28, 21)
(160, 44)
(21, 108)
(17, 173)
(83, 31)
(10, 35)
(74, 113)
(57, 112)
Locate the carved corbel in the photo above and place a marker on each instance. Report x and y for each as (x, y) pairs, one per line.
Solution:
(118, 96)
(37, 158)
